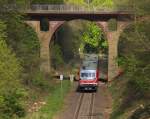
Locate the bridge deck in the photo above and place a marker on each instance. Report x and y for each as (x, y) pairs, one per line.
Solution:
(89, 16)
(68, 12)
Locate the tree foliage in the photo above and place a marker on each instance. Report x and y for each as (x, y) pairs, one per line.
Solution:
(56, 56)
(91, 3)
(135, 59)
(137, 53)
(11, 91)
(76, 2)
(86, 3)
(139, 7)
(69, 38)
(18, 64)
(23, 41)
(11, 73)
(102, 3)
(92, 35)
(93, 38)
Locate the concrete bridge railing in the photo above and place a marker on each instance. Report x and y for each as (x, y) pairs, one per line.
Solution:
(75, 8)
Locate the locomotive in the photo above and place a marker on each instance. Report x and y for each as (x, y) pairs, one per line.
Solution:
(89, 72)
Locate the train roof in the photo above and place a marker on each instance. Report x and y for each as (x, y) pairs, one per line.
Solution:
(90, 62)
(90, 57)
(89, 65)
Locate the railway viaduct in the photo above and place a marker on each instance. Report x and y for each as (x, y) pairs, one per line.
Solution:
(59, 14)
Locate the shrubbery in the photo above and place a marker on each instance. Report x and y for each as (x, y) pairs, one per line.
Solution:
(93, 39)
(16, 65)
(134, 87)
(11, 91)
(136, 58)
(39, 80)
(56, 56)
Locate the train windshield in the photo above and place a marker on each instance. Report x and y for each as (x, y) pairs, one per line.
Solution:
(88, 75)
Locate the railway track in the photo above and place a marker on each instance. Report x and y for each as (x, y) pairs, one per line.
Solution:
(84, 109)
(91, 106)
(87, 105)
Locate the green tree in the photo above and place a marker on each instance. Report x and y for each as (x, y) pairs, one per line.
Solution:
(11, 91)
(56, 56)
(69, 38)
(137, 53)
(91, 3)
(102, 3)
(93, 38)
(22, 40)
(76, 2)
(135, 59)
(139, 7)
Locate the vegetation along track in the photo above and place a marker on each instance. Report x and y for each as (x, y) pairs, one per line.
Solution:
(85, 106)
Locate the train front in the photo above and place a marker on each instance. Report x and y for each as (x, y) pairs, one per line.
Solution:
(88, 80)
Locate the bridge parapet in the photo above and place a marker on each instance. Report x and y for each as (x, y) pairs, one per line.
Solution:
(75, 8)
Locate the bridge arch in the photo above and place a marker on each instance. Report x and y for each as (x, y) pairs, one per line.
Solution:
(112, 37)
(55, 25)
(61, 24)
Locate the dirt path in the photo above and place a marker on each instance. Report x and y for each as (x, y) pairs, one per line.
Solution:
(87, 105)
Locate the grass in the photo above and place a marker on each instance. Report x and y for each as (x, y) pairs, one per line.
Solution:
(54, 102)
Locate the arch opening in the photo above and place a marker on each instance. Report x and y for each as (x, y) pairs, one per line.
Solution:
(44, 24)
(67, 46)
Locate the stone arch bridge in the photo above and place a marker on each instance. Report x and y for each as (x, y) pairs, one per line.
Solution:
(58, 15)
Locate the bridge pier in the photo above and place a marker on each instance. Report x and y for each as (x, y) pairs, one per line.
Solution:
(45, 52)
(44, 39)
(113, 40)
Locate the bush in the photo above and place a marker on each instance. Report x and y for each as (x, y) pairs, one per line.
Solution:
(12, 106)
(135, 59)
(56, 56)
(39, 80)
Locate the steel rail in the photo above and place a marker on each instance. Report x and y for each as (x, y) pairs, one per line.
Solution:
(79, 106)
(91, 106)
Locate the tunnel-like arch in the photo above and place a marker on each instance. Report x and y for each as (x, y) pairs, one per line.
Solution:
(77, 26)
(112, 36)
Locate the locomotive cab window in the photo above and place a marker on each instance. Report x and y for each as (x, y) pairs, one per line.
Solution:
(87, 75)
